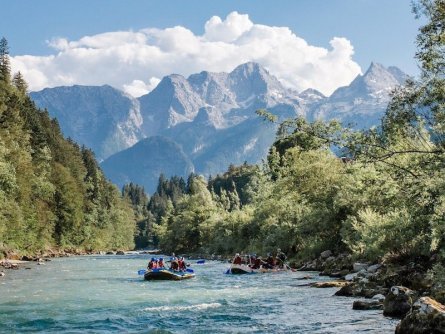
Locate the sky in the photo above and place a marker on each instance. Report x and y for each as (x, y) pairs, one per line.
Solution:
(131, 45)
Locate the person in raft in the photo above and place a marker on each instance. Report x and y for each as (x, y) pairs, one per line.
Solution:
(281, 257)
(259, 263)
(270, 261)
(161, 263)
(237, 260)
(181, 264)
(152, 264)
(174, 264)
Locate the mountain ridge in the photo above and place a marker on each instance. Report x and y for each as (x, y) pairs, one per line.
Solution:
(205, 113)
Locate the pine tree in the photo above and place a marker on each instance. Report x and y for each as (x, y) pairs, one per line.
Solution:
(5, 66)
(20, 83)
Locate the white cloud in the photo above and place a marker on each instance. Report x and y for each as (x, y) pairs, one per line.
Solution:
(138, 88)
(132, 61)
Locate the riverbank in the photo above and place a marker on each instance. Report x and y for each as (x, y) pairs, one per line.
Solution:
(399, 288)
(14, 261)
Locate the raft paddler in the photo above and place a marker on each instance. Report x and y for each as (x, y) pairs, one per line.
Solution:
(181, 264)
(270, 261)
(151, 264)
(174, 264)
(237, 259)
(281, 257)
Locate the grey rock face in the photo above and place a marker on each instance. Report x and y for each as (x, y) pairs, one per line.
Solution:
(102, 118)
(209, 116)
(145, 161)
(364, 101)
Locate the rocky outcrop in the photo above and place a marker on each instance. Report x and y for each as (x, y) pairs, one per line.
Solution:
(9, 264)
(330, 265)
(367, 305)
(398, 301)
(330, 284)
(427, 316)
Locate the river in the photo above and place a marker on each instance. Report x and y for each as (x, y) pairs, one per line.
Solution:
(104, 294)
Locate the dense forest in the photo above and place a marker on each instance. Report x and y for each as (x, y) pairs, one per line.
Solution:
(384, 199)
(53, 195)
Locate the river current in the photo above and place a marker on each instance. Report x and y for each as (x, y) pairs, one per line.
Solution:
(104, 294)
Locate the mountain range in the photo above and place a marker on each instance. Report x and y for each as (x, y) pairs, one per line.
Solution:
(204, 122)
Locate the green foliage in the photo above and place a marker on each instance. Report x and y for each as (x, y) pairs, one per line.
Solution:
(5, 65)
(385, 199)
(52, 192)
(437, 276)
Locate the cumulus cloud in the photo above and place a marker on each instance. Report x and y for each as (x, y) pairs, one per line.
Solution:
(138, 88)
(133, 61)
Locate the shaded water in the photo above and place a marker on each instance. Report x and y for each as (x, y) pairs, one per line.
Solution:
(102, 294)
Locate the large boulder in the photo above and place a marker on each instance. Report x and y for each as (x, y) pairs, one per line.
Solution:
(367, 305)
(357, 266)
(427, 316)
(330, 284)
(327, 253)
(398, 301)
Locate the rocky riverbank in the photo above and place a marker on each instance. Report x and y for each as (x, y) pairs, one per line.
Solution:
(401, 289)
(13, 261)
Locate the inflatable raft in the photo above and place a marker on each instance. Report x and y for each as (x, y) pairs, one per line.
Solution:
(167, 274)
(239, 269)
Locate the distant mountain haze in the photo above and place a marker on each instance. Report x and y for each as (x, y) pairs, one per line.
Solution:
(204, 122)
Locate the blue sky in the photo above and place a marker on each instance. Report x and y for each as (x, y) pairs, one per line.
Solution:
(379, 30)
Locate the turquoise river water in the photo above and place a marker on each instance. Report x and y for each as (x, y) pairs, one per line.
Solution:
(104, 294)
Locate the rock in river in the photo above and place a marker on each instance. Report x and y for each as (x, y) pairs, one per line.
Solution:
(330, 284)
(427, 316)
(367, 305)
(398, 301)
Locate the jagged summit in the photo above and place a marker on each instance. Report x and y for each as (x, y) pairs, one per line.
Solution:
(100, 117)
(311, 95)
(377, 82)
(208, 117)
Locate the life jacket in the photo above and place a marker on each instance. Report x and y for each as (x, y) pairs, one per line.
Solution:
(257, 264)
(237, 260)
(155, 265)
(150, 265)
(174, 265)
(161, 264)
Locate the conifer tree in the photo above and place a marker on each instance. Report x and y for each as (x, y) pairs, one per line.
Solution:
(20, 83)
(5, 66)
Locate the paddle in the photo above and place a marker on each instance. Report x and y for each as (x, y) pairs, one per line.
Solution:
(200, 261)
(142, 271)
(292, 269)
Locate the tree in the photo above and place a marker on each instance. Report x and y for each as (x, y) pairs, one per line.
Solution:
(20, 83)
(5, 66)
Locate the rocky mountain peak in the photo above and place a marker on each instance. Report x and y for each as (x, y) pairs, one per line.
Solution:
(311, 95)
(377, 82)
(252, 80)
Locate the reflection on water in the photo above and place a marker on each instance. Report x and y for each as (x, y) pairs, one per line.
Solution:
(102, 294)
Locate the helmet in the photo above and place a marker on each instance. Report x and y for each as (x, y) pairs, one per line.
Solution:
(152, 259)
(161, 259)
